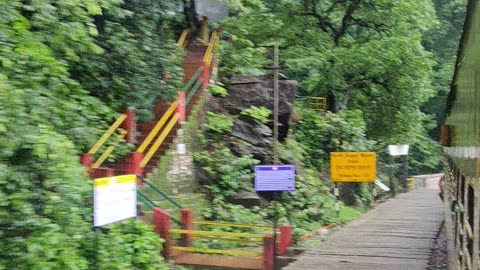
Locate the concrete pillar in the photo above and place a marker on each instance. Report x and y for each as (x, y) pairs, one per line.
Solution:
(205, 75)
(87, 160)
(268, 255)
(285, 240)
(133, 163)
(161, 221)
(186, 221)
(181, 107)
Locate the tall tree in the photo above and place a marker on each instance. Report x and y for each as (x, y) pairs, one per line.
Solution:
(360, 54)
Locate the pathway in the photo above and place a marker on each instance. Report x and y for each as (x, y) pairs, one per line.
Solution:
(397, 235)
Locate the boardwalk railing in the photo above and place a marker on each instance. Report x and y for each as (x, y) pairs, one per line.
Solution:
(182, 245)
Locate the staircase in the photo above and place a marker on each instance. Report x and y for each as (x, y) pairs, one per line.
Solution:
(152, 139)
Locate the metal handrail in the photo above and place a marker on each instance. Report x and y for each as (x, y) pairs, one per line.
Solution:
(157, 127)
(158, 191)
(207, 58)
(146, 200)
(244, 242)
(239, 253)
(159, 140)
(225, 224)
(193, 79)
(107, 134)
(108, 151)
(193, 91)
(231, 234)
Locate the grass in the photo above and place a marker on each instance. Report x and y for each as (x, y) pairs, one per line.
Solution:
(348, 214)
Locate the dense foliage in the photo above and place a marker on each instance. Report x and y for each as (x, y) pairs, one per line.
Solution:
(54, 57)
(381, 65)
(371, 56)
(68, 67)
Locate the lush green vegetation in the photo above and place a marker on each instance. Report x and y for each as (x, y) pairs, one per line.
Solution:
(66, 69)
(380, 64)
(69, 67)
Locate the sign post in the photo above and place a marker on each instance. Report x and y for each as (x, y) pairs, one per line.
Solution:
(398, 150)
(275, 178)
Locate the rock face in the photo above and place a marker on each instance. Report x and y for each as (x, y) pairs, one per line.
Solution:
(250, 136)
(246, 91)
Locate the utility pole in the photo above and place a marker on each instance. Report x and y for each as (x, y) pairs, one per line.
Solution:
(276, 67)
(276, 160)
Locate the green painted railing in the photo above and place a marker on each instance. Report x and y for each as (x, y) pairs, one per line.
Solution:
(193, 91)
(159, 192)
(150, 204)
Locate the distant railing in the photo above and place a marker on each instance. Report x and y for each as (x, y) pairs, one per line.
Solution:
(318, 104)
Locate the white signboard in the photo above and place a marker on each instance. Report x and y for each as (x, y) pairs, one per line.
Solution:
(398, 150)
(114, 199)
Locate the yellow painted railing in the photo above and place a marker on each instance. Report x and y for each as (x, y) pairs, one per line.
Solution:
(157, 127)
(244, 238)
(234, 225)
(107, 134)
(159, 140)
(245, 242)
(108, 151)
(221, 234)
(318, 103)
(205, 32)
(238, 253)
(207, 58)
(182, 41)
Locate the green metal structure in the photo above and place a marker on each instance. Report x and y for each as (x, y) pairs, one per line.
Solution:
(461, 140)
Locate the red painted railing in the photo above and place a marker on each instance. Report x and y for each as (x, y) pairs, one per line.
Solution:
(183, 251)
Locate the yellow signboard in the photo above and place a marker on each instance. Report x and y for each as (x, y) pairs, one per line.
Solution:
(353, 166)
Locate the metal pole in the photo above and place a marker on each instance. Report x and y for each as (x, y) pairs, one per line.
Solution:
(275, 225)
(405, 171)
(336, 193)
(275, 103)
(276, 67)
(392, 182)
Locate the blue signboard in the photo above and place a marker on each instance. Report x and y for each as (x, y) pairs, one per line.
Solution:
(275, 178)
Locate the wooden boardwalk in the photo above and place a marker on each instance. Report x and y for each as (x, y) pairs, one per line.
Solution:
(398, 234)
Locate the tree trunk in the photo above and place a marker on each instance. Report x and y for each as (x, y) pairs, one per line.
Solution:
(348, 191)
(191, 19)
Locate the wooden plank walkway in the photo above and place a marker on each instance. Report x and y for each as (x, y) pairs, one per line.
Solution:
(396, 235)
